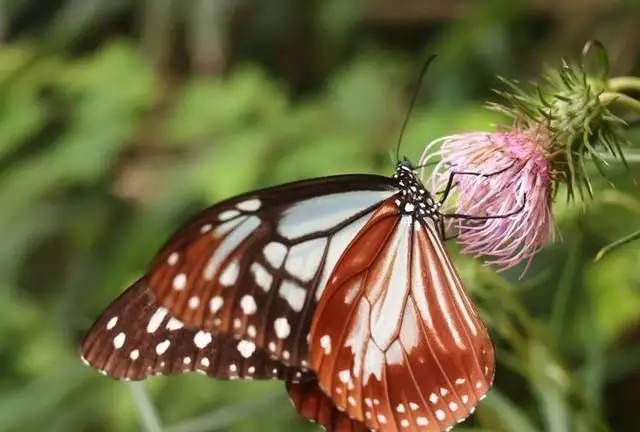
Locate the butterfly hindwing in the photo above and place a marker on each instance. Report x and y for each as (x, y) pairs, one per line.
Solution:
(312, 403)
(135, 338)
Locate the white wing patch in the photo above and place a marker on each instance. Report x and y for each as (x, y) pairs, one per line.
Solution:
(324, 212)
(229, 244)
(304, 258)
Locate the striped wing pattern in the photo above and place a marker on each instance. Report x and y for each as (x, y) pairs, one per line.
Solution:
(412, 357)
(254, 267)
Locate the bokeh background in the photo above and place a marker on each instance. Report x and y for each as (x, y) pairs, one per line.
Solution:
(120, 118)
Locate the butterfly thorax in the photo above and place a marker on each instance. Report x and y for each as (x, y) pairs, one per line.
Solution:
(414, 199)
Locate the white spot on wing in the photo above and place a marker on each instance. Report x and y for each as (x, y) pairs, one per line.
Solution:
(134, 355)
(344, 376)
(118, 341)
(230, 273)
(246, 348)
(251, 331)
(180, 282)
(162, 347)
(249, 205)
(293, 294)
(112, 322)
(228, 214)
(282, 327)
(202, 339)
(174, 324)
(173, 259)
(275, 252)
(156, 319)
(215, 304)
(262, 276)
(248, 304)
(194, 302)
(325, 343)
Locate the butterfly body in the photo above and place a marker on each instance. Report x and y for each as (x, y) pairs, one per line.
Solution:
(341, 286)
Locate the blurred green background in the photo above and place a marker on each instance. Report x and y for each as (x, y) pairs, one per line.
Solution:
(120, 118)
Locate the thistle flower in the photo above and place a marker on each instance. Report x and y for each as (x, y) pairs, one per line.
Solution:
(504, 176)
(505, 182)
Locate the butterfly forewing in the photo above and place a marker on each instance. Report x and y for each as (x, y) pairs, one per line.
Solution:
(135, 338)
(408, 351)
(255, 266)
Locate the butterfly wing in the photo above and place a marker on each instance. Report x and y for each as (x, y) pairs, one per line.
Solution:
(135, 338)
(254, 266)
(312, 403)
(395, 340)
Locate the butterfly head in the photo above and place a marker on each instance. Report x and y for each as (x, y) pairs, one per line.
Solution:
(414, 199)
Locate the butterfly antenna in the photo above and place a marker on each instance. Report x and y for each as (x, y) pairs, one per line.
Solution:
(416, 90)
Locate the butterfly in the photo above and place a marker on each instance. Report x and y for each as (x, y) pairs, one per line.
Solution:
(340, 286)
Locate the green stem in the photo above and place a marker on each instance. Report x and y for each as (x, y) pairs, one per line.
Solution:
(616, 244)
(149, 419)
(608, 98)
(624, 83)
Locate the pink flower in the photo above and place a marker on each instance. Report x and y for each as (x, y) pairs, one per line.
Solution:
(501, 175)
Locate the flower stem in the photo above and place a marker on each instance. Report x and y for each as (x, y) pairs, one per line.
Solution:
(149, 419)
(624, 83)
(608, 98)
(616, 244)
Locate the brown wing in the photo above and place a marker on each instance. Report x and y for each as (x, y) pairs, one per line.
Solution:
(395, 341)
(312, 403)
(135, 338)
